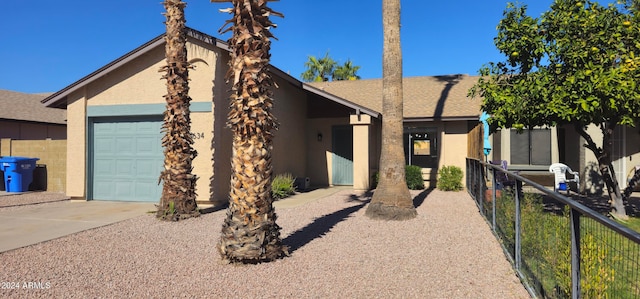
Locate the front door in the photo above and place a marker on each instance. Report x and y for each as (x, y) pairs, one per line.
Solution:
(342, 155)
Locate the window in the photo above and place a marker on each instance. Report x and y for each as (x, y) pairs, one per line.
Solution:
(420, 146)
(531, 147)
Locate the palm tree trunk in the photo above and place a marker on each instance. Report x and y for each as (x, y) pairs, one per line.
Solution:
(391, 200)
(178, 199)
(250, 233)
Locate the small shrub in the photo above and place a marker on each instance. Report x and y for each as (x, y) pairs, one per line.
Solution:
(413, 178)
(374, 180)
(450, 178)
(413, 175)
(282, 186)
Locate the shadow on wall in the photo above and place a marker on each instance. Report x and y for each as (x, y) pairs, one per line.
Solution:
(593, 182)
(39, 182)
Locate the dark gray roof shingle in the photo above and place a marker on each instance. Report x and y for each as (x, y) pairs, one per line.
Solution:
(28, 107)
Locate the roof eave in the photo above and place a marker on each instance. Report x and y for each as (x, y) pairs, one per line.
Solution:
(359, 109)
(58, 99)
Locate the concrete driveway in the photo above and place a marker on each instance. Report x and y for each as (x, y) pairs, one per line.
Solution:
(33, 223)
(27, 225)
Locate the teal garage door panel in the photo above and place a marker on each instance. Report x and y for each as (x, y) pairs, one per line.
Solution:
(127, 160)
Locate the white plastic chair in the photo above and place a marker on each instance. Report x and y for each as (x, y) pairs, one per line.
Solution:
(561, 181)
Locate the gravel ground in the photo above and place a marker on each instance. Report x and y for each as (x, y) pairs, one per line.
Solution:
(448, 251)
(30, 198)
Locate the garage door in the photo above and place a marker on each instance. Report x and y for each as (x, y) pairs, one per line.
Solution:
(127, 159)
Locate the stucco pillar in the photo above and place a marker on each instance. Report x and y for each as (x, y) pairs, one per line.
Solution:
(361, 144)
(77, 149)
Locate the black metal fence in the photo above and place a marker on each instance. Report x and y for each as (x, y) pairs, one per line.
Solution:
(559, 247)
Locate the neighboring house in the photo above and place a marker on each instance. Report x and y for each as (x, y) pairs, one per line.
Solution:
(328, 133)
(28, 128)
(23, 117)
(534, 150)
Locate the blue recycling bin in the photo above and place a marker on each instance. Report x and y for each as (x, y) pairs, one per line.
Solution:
(18, 172)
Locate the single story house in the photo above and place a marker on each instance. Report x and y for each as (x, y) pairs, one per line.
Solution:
(329, 132)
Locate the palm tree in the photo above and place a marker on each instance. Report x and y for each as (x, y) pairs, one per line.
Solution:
(347, 71)
(178, 200)
(391, 200)
(249, 232)
(319, 70)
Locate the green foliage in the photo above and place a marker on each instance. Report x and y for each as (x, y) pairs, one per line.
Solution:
(172, 208)
(450, 178)
(347, 71)
(282, 186)
(546, 246)
(413, 176)
(576, 64)
(633, 223)
(325, 68)
(375, 179)
(596, 271)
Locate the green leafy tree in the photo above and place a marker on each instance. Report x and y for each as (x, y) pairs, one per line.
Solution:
(319, 70)
(325, 68)
(574, 65)
(347, 71)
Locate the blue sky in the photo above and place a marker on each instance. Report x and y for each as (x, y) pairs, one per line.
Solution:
(46, 45)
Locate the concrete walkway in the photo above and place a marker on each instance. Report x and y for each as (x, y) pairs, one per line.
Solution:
(27, 225)
(31, 224)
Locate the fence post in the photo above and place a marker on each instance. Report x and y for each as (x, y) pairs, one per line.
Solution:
(480, 184)
(493, 198)
(575, 254)
(518, 241)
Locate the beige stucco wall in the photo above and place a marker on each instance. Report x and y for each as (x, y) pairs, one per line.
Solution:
(625, 157)
(289, 143)
(361, 151)
(139, 82)
(319, 152)
(201, 128)
(453, 144)
(76, 146)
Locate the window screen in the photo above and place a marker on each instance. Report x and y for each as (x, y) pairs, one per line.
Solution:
(531, 147)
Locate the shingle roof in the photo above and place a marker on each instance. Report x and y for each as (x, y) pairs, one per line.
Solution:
(28, 107)
(438, 97)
